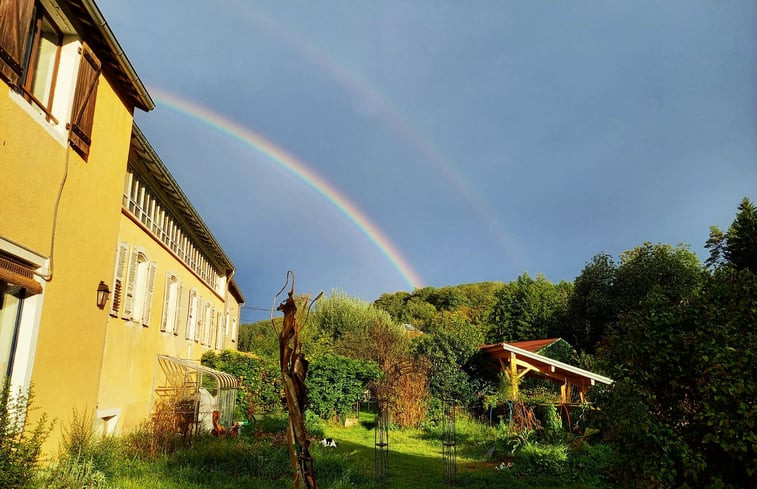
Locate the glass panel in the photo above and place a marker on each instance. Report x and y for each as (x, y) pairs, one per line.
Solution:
(10, 306)
(44, 71)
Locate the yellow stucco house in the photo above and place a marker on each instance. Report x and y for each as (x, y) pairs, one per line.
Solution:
(86, 205)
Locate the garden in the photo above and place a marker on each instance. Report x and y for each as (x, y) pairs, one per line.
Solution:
(405, 390)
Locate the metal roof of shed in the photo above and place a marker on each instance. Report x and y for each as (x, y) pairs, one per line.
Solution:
(180, 365)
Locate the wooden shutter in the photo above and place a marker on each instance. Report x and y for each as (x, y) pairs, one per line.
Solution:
(15, 21)
(147, 308)
(83, 111)
(166, 302)
(118, 279)
(131, 284)
(178, 310)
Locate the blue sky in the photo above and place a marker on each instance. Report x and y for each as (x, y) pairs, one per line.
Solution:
(485, 139)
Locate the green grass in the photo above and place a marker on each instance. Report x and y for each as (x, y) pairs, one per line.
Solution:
(261, 461)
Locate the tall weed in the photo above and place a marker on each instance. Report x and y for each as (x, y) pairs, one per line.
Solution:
(20, 445)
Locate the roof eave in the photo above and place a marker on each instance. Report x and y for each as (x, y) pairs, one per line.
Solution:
(94, 29)
(541, 358)
(182, 203)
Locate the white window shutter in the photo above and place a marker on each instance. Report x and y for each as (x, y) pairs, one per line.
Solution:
(131, 283)
(177, 315)
(210, 326)
(147, 309)
(166, 302)
(191, 321)
(200, 314)
(220, 332)
(118, 278)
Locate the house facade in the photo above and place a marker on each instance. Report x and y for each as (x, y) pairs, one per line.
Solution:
(86, 204)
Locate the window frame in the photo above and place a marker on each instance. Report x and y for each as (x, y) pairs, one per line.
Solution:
(31, 61)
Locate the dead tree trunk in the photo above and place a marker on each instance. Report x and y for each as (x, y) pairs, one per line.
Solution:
(294, 370)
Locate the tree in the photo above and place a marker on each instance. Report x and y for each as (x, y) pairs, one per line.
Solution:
(393, 303)
(339, 317)
(449, 345)
(673, 271)
(258, 338)
(684, 393)
(592, 306)
(528, 309)
(736, 248)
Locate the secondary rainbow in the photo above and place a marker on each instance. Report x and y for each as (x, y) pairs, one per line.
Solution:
(296, 168)
(389, 115)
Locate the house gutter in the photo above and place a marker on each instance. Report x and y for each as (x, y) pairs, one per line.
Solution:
(147, 103)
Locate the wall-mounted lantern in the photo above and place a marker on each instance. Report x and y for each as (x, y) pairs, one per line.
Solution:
(102, 294)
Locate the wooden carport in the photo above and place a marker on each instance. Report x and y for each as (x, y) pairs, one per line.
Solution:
(517, 362)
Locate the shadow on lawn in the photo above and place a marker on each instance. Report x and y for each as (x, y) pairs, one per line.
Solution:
(405, 471)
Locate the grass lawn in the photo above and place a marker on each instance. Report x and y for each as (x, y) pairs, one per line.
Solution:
(415, 458)
(260, 460)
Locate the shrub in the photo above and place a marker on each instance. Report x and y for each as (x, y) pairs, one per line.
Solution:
(538, 459)
(313, 424)
(592, 464)
(552, 423)
(260, 379)
(19, 447)
(74, 473)
(336, 383)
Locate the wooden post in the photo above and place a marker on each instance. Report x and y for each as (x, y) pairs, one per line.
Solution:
(514, 394)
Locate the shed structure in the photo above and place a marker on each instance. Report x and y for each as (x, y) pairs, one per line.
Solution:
(519, 359)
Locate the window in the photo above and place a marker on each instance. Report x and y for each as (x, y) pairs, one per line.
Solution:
(142, 203)
(234, 329)
(140, 288)
(169, 320)
(43, 57)
(11, 298)
(38, 59)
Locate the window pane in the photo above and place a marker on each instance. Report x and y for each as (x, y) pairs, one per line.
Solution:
(9, 308)
(44, 71)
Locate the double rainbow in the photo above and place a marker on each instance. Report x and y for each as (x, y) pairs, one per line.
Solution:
(299, 170)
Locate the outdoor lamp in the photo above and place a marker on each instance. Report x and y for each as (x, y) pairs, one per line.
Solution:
(102, 294)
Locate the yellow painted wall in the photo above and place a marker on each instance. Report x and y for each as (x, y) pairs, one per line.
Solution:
(131, 349)
(233, 307)
(32, 163)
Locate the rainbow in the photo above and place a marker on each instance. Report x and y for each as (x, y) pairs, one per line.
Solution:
(296, 168)
(390, 116)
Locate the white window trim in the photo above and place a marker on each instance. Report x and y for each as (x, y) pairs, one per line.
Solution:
(31, 313)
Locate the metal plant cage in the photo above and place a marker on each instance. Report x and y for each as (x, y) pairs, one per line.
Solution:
(189, 393)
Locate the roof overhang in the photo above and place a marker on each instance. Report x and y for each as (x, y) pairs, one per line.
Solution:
(546, 366)
(145, 160)
(92, 27)
(235, 292)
